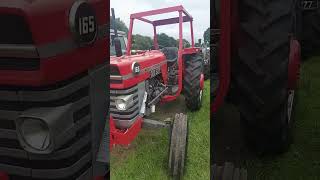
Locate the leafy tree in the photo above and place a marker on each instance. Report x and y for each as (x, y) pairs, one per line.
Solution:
(206, 36)
(186, 43)
(121, 26)
(166, 41)
(140, 42)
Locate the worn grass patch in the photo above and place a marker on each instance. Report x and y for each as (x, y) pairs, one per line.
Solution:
(147, 156)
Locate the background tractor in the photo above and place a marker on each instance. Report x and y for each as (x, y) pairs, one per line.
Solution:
(257, 68)
(53, 90)
(206, 59)
(140, 82)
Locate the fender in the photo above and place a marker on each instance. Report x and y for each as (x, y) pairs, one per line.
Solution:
(294, 64)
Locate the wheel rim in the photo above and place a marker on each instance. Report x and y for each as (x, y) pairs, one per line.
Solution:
(290, 104)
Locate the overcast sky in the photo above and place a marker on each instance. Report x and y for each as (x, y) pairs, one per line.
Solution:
(199, 10)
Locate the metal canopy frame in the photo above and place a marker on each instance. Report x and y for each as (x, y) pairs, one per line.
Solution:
(183, 16)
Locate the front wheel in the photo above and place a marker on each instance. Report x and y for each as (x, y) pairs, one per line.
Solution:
(178, 146)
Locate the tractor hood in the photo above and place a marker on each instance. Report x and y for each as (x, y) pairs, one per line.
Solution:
(126, 71)
(48, 16)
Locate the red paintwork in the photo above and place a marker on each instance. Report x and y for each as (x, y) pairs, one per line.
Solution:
(192, 38)
(49, 23)
(191, 50)
(224, 54)
(4, 176)
(161, 11)
(294, 64)
(155, 38)
(141, 16)
(50, 17)
(124, 137)
(202, 81)
(148, 59)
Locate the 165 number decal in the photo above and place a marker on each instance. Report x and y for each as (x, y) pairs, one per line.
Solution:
(86, 25)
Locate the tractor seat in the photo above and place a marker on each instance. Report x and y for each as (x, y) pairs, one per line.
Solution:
(171, 53)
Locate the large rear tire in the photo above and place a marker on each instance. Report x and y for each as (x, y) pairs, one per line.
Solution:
(260, 75)
(192, 90)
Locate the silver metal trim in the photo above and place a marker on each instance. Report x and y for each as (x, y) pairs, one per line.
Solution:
(44, 96)
(19, 51)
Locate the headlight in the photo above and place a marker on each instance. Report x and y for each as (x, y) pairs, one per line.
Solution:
(35, 133)
(121, 105)
(123, 102)
(43, 130)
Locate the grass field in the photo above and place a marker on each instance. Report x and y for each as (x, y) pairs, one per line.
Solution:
(302, 162)
(147, 157)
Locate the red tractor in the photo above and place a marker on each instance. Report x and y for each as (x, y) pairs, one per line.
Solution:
(258, 67)
(139, 82)
(53, 91)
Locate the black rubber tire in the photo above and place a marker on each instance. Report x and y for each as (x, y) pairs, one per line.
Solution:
(311, 33)
(178, 146)
(260, 75)
(228, 172)
(193, 68)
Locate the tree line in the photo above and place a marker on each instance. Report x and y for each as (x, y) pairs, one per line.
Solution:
(140, 42)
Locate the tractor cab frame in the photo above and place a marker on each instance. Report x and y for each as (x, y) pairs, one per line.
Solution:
(141, 81)
(183, 16)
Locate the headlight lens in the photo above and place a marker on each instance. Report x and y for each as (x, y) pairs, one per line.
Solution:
(35, 133)
(121, 104)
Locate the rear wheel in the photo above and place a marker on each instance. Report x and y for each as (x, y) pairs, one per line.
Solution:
(192, 90)
(260, 75)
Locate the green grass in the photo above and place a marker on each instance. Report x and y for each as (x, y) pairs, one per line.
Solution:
(147, 156)
(302, 162)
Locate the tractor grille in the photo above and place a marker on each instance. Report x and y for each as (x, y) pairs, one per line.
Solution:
(19, 64)
(73, 157)
(15, 30)
(16, 38)
(132, 112)
(114, 71)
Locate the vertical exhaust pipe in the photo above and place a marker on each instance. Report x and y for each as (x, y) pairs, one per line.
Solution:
(116, 40)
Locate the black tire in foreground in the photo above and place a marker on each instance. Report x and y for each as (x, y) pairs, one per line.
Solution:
(191, 82)
(260, 74)
(228, 172)
(311, 33)
(178, 146)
